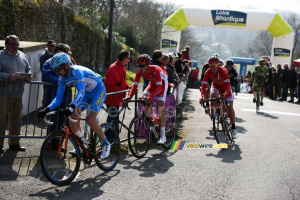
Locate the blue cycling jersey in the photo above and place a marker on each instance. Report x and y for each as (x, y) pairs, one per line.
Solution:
(85, 80)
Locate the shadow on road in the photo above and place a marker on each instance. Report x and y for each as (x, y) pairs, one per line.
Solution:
(267, 115)
(230, 155)
(7, 160)
(84, 189)
(151, 164)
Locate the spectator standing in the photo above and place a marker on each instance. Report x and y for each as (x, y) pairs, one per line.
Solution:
(156, 60)
(194, 77)
(186, 53)
(293, 82)
(69, 53)
(178, 65)
(12, 61)
(115, 80)
(48, 53)
(48, 75)
(170, 68)
(279, 87)
(273, 82)
(285, 81)
(185, 65)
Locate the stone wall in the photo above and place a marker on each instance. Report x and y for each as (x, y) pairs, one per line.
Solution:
(42, 20)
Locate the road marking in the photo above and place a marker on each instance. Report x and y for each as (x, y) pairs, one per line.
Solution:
(272, 112)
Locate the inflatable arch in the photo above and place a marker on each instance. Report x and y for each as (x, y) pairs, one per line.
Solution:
(273, 22)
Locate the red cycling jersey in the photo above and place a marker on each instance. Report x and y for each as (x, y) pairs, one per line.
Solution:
(153, 75)
(220, 80)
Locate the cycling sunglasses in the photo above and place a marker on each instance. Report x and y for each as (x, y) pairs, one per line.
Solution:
(59, 68)
(141, 66)
(213, 65)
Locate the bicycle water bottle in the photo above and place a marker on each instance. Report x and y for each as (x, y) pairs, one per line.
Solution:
(81, 136)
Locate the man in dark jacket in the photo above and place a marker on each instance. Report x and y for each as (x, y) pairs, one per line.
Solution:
(285, 81)
(279, 87)
(48, 75)
(293, 82)
(178, 65)
(48, 53)
(156, 60)
(273, 82)
(115, 80)
(172, 76)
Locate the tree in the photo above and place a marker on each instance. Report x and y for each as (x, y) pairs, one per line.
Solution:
(188, 39)
(294, 22)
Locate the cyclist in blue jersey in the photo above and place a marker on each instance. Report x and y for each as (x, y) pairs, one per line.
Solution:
(91, 92)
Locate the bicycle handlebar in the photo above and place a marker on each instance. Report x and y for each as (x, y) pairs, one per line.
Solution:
(54, 112)
(140, 100)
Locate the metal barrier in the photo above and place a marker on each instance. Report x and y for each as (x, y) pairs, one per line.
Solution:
(32, 101)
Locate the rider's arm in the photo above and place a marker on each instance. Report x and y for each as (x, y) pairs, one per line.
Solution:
(204, 83)
(59, 95)
(135, 84)
(227, 83)
(267, 75)
(235, 80)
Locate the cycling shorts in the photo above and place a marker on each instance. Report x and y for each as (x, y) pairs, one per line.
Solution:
(95, 99)
(163, 93)
(230, 95)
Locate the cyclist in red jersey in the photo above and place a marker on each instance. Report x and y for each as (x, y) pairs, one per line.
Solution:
(157, 87)
(220, 85)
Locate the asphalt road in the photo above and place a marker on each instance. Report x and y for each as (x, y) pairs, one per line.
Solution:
(263, 164)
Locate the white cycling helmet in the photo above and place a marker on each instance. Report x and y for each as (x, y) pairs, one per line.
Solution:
(217, 55)
(60, 59)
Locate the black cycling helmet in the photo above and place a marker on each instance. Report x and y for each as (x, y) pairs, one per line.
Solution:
(143, 60)
(262, 61)
(213, 60)
(229, 62)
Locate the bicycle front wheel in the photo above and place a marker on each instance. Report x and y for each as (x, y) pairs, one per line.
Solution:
(138, 137)
(216, 123)
(111, 161)
(58, 165)
(170, 130)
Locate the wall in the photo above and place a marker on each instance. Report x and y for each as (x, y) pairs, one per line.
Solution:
(42, 20)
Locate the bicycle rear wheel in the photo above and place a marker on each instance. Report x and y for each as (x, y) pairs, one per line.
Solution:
(170, 130)
(111, 161)
(216, 123)
(227, 132)
(58, 166)
(138, 137)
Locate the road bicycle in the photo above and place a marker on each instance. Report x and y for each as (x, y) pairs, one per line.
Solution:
(143, 131)
(220, 116)
(60, 164)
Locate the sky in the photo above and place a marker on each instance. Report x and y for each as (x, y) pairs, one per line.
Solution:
(264, 5)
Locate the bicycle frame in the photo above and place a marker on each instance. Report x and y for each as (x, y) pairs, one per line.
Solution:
(68, 130)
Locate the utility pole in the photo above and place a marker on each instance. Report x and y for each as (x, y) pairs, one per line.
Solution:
(110, 29)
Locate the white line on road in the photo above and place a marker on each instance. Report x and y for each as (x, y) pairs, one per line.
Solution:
(272, 112)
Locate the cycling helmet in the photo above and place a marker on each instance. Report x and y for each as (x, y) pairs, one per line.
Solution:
(221, 62)
(262, 61)
(217, 55)
(213, 60)
(60, 59)
(229, 62)
(143, 59)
